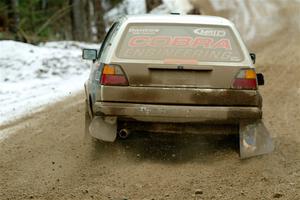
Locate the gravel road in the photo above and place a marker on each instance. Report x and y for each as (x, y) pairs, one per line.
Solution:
(48, 156)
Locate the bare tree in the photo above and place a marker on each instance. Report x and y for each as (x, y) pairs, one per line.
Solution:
(87, 20)
(44, 4)
(99, 12)
(78, 18)
(13, 15)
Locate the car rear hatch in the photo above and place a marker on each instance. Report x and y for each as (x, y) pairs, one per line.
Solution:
(179, 75)
(166, 84)
(179, 64)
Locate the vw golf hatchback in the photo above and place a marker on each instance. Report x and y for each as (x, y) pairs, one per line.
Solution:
(175, 74)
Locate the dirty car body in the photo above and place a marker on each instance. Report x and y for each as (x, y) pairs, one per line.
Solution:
(173, 73)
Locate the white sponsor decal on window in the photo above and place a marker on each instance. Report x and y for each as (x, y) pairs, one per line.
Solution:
(210, 32)
(143, 31)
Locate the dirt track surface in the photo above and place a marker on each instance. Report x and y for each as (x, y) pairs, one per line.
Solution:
(48, 156)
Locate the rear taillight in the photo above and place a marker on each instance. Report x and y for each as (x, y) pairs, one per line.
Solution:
(245, 79)
(113, 75)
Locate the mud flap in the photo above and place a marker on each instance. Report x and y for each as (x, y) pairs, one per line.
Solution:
(255, 139)
(104, 128)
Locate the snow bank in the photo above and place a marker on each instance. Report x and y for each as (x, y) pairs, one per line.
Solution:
(32, 76)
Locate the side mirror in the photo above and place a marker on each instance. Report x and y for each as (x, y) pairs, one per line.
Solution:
(89, 54)
(253, 57)
(260, 79)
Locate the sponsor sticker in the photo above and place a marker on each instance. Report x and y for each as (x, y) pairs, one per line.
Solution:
(210, 32)
(143, 31)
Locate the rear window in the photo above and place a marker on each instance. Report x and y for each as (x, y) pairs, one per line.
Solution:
(190, 43)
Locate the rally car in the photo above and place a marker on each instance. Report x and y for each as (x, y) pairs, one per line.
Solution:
(175, 74)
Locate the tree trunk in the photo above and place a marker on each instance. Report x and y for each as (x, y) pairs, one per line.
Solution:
(13, 15)
(78, 18)
(44, 4)
(87, 20)
(99, 12)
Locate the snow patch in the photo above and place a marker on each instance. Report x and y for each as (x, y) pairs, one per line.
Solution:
(32, 76)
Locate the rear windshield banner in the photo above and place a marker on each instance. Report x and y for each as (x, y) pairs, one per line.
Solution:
(152, 42)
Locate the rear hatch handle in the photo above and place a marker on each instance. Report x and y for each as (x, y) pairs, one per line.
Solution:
(180, 67)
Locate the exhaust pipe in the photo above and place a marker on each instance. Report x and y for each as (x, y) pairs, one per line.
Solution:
(123, 133)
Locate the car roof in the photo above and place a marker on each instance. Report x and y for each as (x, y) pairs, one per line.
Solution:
(172, 18)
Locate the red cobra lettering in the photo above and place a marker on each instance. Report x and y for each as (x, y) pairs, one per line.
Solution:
(184, 41)
(138, 41)
(181, 41)
(205, 42)
(222, 44)
(159, 41)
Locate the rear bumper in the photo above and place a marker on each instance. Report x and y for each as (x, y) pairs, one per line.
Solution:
(177, 113)
(176, 96)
